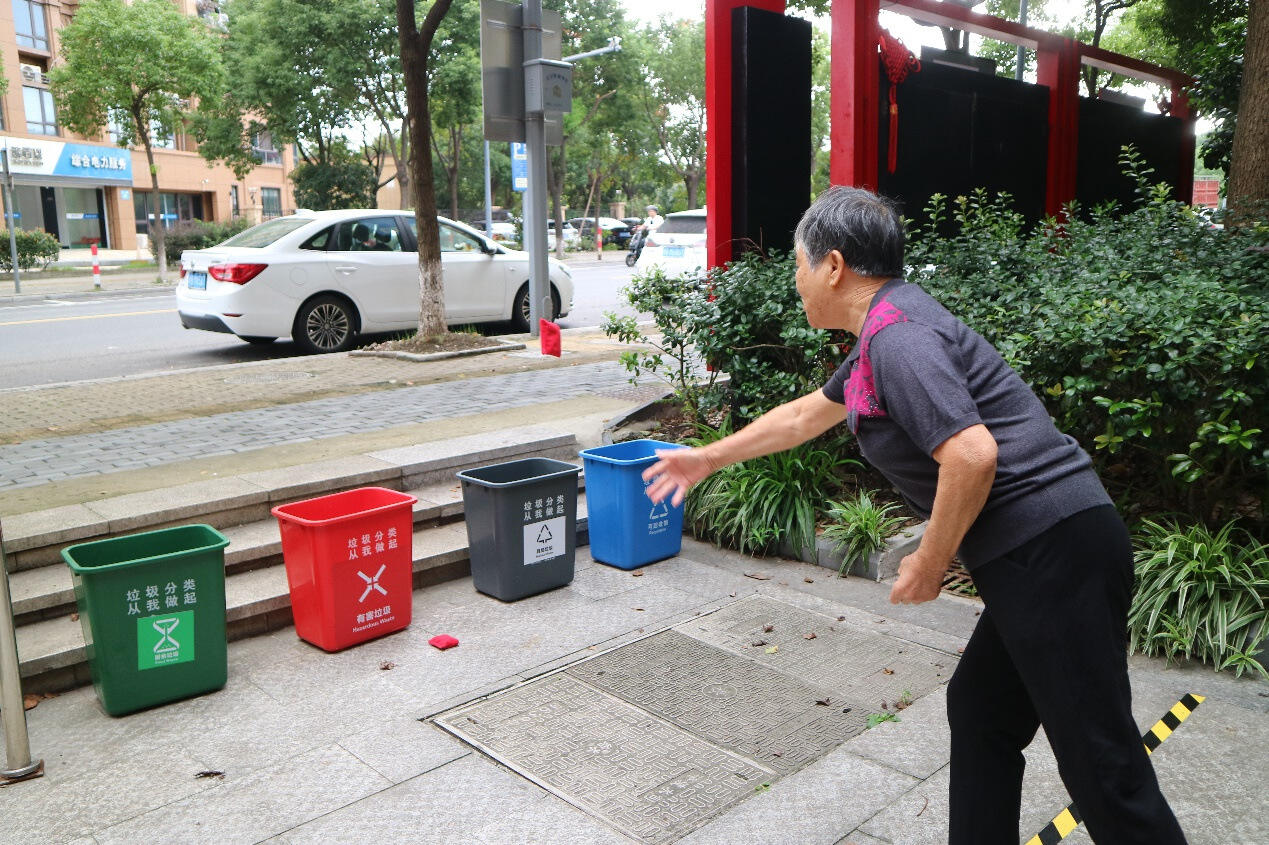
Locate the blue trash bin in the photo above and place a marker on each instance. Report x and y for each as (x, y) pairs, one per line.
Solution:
(626, 529)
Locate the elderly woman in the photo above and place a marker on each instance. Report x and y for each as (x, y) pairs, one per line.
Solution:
(938, 411)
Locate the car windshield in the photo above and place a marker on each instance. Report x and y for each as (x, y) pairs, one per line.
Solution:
(687, 225)
(268, 232)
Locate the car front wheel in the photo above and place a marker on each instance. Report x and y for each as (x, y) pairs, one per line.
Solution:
(520, 309)
(325, 324)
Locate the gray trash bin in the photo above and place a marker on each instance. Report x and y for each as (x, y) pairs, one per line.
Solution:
(521, 526)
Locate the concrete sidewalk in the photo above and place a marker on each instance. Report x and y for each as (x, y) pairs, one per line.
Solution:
(303, 746)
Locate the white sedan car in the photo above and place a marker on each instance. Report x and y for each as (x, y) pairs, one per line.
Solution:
(677, 247)
(323, 277)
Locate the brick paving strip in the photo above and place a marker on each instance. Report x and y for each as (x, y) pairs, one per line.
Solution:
(45, 460)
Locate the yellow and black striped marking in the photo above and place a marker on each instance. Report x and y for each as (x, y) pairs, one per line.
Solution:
(1069, 819)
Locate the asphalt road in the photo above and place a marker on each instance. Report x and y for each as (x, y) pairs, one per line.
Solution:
(114, 334)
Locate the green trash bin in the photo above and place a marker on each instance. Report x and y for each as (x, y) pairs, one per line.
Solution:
(152, 606)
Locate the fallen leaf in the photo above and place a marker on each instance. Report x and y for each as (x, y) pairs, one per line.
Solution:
(768, 628)
(639, 608)
(733, 595)
(824, 702)
(758, 643)
(30, 701)
(758, 576)
(210, 773)
(900, 705)
(887, 671)
(809, 580)
(636, 574)
(74, 617)
(773, 649)
(387, 664)
(841, 619)
(809, 636)
(923, 806)
(960, 650)
(885, 706)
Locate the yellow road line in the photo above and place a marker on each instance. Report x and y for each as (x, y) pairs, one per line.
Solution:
(89, 317)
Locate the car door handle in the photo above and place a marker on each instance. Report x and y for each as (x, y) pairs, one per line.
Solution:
(345, 269)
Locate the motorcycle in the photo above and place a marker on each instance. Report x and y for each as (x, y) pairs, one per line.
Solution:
(636, 246)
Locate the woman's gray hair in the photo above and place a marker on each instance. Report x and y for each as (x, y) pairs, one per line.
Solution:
(864, 227)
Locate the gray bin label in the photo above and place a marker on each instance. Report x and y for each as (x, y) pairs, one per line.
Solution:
(544, 540)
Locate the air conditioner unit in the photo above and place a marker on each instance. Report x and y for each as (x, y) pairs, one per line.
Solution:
(33, 75)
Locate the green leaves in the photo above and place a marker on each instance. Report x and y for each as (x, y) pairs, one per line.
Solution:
(858, 527)
(757, 505)
(1142, 330)
(1200, 595)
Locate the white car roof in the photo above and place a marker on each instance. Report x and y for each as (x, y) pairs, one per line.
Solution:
(695, 212)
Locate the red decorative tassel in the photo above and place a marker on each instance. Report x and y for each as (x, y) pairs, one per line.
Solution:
(899, 62)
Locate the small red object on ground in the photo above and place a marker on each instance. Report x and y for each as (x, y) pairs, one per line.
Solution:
(442, 641)
(550, 336)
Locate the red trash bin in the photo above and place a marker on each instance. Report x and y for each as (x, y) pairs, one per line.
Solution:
(350, 565)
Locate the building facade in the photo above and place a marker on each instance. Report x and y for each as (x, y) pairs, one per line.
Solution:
(90, 190)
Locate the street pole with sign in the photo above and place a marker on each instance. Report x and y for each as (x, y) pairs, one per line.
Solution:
(9, 218)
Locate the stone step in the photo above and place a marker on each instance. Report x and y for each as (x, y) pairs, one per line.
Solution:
(33, 540)
(257, 600)
(46, 592)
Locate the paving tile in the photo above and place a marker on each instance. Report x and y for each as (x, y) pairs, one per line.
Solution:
(915, 817)
(445, 806)
(857, 838)
(816, 805)
(402, 747)
(918, 744)
(551, 821)
(51, 527)
(260, 805)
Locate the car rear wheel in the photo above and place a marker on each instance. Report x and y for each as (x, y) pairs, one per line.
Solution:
(259, 341)
(325, 324)
(520, 309)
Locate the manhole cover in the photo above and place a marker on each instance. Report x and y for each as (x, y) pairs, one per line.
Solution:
(267, 377)
(662, 735)
(643, 775)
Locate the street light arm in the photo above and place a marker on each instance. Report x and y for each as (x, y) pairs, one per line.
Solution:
(614, 46)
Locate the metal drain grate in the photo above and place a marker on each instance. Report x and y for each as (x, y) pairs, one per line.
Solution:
(959, 582)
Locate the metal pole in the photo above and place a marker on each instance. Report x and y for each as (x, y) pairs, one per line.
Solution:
(488, 197)
(535, 196)
(1022, 51)
(8, 209)
(17, 745)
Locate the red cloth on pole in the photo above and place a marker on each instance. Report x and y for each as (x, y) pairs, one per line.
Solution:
(549, 334)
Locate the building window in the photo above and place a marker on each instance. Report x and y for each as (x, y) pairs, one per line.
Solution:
(265, 150)
(41, 116)
(174, 207)
(270, 202)
(29, 24)
(233, 202)
(158, 140)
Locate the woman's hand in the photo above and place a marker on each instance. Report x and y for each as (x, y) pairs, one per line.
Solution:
(920, 580)
(674, 473)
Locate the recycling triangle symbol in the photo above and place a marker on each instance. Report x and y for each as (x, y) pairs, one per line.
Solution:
(659, 510)
(545, 536)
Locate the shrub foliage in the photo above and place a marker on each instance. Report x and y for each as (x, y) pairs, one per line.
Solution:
(197, 234)
(36, 248)
(1145, 332)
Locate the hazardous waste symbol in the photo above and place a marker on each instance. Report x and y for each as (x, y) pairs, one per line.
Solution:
(545, 535)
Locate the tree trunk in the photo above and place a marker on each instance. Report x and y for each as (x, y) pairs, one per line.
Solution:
(414, 48)
(557, 196)
(1248, 188)
(156, 231)
(692, 181)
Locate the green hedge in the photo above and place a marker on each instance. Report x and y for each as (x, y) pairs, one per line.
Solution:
(1145, 332)
(36, 248)
(196, 234)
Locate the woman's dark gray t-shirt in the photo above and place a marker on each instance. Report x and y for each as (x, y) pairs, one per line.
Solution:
(917, 376)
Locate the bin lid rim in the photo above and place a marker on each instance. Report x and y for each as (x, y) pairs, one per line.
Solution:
(404, 500)
(593, 453)
(564, 468)
(75, 566)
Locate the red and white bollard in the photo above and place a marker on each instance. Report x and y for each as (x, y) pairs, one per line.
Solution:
(599, 244)
(96, 270)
